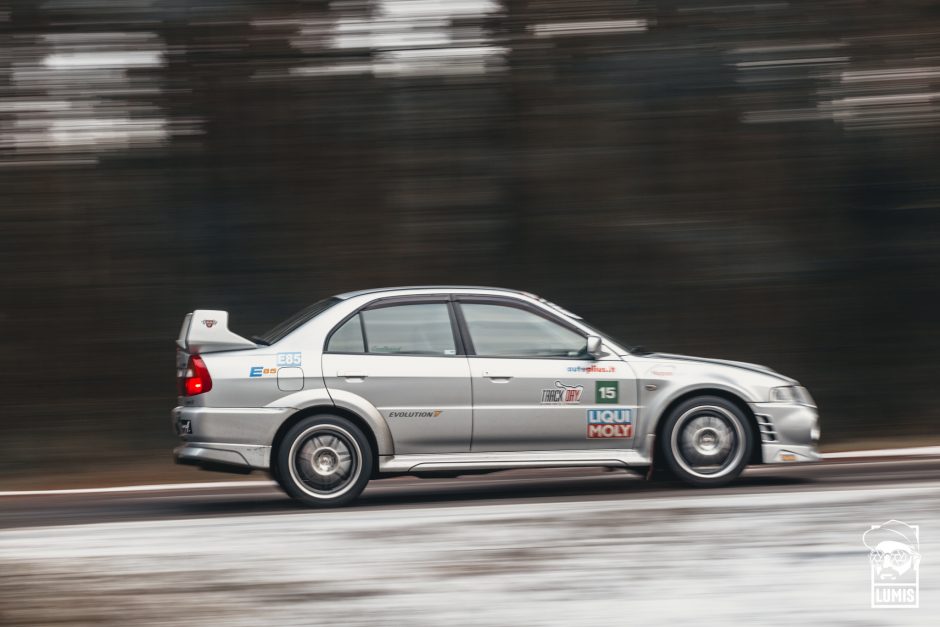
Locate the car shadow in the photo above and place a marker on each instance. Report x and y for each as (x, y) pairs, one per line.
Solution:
(615, 485)
(522, 486)
(489, 489)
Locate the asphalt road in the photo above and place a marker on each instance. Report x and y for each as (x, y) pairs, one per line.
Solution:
(522, 486)
(782, 546)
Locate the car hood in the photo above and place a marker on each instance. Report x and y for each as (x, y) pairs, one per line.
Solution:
(743, 365)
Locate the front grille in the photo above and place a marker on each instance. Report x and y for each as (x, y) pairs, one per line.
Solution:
(766, 425)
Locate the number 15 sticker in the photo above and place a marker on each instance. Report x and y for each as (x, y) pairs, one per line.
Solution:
(607, 392)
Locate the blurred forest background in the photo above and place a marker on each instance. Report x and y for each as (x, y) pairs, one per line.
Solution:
(753, 180)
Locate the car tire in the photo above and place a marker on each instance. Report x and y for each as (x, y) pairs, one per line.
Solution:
(706, 441)
(324, 461)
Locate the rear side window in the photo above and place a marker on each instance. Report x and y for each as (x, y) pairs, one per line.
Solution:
(417, 329)
(408, 329)
(348, 338)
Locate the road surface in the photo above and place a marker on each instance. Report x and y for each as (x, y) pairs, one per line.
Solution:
(572, 547)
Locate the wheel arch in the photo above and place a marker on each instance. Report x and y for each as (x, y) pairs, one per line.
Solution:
(739, 402)
(334, 410)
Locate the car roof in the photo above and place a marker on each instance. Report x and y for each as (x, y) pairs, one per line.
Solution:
(434, 288)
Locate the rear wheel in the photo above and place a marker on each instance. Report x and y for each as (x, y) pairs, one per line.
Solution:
(324, 461)
(706, 441)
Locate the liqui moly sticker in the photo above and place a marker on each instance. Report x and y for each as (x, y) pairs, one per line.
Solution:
(609, 423)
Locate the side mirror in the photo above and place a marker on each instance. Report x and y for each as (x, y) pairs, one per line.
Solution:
(594, 346)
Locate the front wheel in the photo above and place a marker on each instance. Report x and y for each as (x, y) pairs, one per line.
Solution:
(324, 461)
(706, 441)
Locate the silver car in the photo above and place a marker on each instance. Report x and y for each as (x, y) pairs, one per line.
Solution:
(456, 380)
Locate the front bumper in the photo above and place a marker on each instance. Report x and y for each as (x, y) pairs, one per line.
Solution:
(788, 453)
(789, 432)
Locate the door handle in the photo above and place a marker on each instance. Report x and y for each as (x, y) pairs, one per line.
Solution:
(351, 374)
(500, 378)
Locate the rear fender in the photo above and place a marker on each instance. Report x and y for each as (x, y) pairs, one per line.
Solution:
(350, 402)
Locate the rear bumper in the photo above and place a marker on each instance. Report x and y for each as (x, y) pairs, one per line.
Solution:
(789, 433)
(241, 425)
(222, 456)
(227, 437)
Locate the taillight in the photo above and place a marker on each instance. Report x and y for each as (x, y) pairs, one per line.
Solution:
(195, 379)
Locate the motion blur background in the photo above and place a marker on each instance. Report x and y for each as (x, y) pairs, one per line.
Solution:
(748, 180)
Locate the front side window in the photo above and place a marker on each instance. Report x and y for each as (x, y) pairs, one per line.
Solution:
(417, 329)
(502, 331)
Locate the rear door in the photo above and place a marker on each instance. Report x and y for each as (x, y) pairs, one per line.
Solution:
(404, 356)
(534, 385)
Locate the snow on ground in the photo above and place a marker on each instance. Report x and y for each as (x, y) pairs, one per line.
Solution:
(774, 558)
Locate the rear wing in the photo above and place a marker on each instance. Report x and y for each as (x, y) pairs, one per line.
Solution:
(206, 331)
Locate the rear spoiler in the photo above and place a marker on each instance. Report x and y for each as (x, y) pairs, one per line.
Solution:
(206, 331)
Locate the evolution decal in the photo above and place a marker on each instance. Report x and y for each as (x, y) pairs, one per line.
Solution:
(414, 414)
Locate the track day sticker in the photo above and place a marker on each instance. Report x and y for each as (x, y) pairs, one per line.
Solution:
(609, 423)
(562, 393)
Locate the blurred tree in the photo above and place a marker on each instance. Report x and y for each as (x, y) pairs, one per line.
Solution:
(746, 181)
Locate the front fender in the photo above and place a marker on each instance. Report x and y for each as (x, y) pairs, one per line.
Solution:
(654, 402)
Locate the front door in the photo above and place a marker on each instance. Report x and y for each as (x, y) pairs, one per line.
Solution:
(402, 356)
(535, 387)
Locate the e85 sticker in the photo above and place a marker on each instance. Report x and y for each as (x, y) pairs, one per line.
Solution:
(288, 359)
(607, 392)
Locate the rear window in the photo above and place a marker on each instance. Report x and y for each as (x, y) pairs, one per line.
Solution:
(297, 320)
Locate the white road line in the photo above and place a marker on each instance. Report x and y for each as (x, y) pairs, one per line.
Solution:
(227, 484)
(146, 488)
(888, 452)
(897, 452)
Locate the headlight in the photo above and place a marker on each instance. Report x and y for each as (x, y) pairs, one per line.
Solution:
(807, 399)
(791, 394)
(783, 395)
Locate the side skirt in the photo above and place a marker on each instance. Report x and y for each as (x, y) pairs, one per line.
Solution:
(507, 460)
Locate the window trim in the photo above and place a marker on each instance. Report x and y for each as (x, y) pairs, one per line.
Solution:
(459, 299)
(397, 301)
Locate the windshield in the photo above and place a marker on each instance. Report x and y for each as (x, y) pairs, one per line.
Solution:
(559, 308)
(636, 350)
(298, 319)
